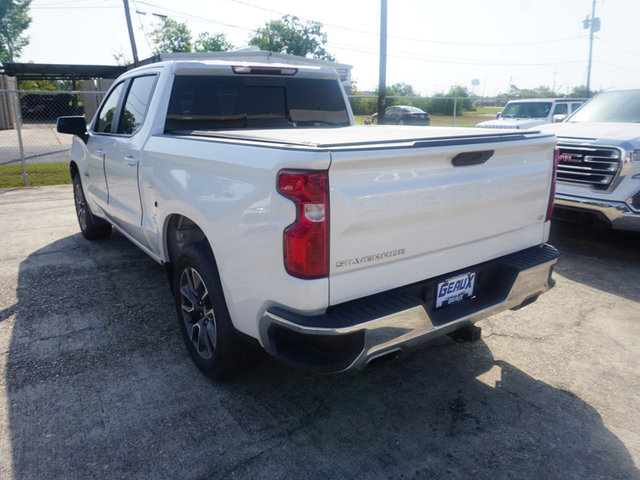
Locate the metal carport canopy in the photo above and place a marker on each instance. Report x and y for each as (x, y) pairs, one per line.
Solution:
(40, 71)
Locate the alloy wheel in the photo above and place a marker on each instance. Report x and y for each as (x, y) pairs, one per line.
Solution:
(197, 313)
(81, 206)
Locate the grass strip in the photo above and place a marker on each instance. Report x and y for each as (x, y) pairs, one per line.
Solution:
(39, 175)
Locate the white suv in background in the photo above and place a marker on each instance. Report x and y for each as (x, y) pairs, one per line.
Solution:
(533, 112)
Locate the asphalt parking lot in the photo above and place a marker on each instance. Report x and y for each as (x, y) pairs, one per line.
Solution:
(95, 381)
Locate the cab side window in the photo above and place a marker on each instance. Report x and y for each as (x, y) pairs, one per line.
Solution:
(107, 113)
(135, 108)
(561, 109)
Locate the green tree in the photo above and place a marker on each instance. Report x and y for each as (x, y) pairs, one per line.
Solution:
(290, 35)
(581, 92)
(464, 102)
(213, 43)
(44, 85)
(539, 92)
(171, 36)
(14, 19)
(120, 57)
(401, 89)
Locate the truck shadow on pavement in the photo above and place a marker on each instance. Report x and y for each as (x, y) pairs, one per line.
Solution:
(603, 259)
(99, 385)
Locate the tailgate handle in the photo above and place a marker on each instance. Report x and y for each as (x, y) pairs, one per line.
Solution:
(472, 158)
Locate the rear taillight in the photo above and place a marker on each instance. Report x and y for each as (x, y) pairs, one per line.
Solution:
(306, 244)
(552, 192)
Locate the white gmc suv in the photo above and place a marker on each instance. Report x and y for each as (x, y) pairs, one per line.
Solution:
(599, 162)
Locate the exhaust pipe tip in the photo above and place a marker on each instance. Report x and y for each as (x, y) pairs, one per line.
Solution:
(384, 358)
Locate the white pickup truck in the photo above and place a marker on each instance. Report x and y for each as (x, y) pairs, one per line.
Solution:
(599, 162)
(285, 226)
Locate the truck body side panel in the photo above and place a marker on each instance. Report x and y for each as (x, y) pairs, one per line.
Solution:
(229, 191)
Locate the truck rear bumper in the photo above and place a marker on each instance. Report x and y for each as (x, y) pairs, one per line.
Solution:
(617, 215)
(350, 335)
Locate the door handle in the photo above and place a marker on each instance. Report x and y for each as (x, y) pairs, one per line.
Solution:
(99, 151)
(130, 161)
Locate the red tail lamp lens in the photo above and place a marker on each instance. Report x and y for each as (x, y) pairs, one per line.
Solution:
(306, 244)
(552, 192)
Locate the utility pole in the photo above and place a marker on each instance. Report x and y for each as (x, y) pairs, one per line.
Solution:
(382, 84)
(593, 24)
(136, 63)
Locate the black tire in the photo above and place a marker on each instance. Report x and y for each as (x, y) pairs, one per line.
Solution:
(214, 345)
(92, 227)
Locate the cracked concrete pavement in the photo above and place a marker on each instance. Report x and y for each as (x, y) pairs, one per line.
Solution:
(95, 381)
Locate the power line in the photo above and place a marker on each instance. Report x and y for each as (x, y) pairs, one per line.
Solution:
(363, 50)
(448, 60)
(196, 18)
(413, 39)
(341, 27)
(144, 32)
(616, 67)
(630, 52)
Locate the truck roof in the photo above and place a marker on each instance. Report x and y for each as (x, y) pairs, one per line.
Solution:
(198, 67)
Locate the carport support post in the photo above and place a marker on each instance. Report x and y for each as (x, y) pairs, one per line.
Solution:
(382, 84)
(16, 116)
(455, 109)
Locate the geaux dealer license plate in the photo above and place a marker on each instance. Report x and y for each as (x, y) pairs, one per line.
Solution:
(455, 289)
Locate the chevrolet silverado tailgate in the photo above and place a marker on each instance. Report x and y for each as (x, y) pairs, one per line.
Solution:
(404, 212)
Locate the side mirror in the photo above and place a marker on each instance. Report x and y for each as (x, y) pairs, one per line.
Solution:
(74, 126)
(560, 117)
(498, 114)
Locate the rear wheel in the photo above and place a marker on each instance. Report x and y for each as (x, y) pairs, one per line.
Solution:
(214, 345)
(401, 122)
(92, 227)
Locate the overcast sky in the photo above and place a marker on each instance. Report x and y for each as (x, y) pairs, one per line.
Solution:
(432, 44)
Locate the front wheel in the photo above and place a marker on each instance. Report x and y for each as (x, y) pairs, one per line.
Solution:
(92, 227)
(214, 345)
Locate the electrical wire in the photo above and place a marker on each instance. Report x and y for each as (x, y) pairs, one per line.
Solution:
(196, 18)
(630, 52)
(144, 32)
(363, 50)
(413, 39)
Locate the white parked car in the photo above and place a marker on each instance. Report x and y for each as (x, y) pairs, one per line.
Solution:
(533, 112)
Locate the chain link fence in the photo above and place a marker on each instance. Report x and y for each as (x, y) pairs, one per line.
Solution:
(28, 124)
(28, 120)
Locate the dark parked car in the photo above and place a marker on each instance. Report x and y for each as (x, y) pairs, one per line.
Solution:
(47, 106)
(404, 115)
